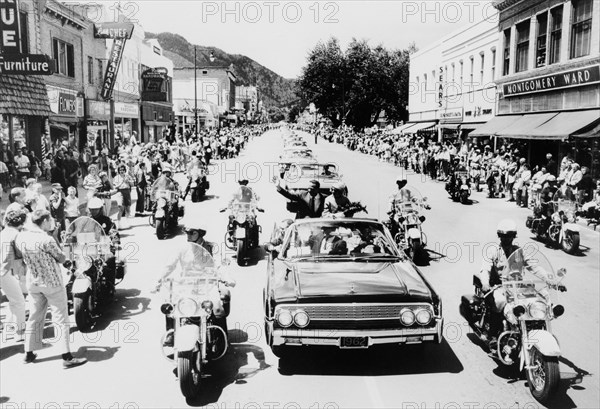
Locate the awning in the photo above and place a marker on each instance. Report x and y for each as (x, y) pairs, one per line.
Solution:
(60, 119)
(522, 128)
(592, 133)
(454, 127)
(494, 125)
(566, 123)
(470, 126)
(401, 128)
(59, 126)
(420, 126)
(23, 95)
(157, 123)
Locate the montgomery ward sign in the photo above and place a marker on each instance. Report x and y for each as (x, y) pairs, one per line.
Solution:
(566, 79)
(112, 68)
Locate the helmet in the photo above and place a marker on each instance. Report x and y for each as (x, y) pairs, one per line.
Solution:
(95, 203)
(339, 186)
(507, 227)
(167, 168)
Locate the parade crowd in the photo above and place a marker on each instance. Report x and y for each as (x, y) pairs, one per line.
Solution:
(504, 171)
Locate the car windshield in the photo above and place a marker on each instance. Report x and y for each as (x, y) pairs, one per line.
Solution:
(312, 171)
(337, 239)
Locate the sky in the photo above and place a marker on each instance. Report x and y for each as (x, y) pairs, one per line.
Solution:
(280, 34)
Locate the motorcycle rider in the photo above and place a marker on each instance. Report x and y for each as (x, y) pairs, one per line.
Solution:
(165, 182)
(96, 209)
(196, 171)
(244, 193)
(492, 271)
(187, 260)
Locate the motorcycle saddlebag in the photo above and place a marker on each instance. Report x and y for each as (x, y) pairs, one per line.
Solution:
(529, 222)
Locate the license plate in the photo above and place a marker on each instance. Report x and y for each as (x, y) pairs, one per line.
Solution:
(354, 342)
(240, 233)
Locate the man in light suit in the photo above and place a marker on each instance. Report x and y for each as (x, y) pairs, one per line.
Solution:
(310, 203)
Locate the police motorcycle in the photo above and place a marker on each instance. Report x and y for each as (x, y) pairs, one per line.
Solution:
(197, 184)
(560, 229)
(242, 229)
(531, 288)
(166, 210)
(458, 186)
(94, 269)
(406, 218)
(199, 313)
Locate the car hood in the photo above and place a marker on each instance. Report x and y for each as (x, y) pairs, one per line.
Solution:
(351, 282)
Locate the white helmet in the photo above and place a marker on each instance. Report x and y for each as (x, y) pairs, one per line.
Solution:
(507, 227)
(167, 168)
(95, 203)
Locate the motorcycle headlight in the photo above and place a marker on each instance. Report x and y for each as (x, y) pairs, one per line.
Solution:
(207, 306)
(187, 307)
(284, 318)
(407, 317)
(570, 217)
(423, 316)
(537, 310)
(301, 318)
(161, 202)
(556, 218)
(98, 263)
(240, 218)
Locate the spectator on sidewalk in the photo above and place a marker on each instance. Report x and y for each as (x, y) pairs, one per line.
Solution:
(22, 164)
(71, 206)
(43, 257)
(92, 181)
(57, 175)
(71, 168)
(57, 208)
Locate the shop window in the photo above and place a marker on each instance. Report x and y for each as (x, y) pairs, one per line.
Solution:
(555, 101)
(64, 57)
(506, 59)
(522, 46)
(571, 100)
(24, 32)
(581, 30)
(588, 97)
(542, 36)
(555, 34)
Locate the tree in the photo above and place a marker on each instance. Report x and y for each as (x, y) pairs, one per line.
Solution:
(354, 87)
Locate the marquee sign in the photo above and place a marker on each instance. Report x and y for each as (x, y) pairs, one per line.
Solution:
(566, 79)
(153, 79)
(113, 30)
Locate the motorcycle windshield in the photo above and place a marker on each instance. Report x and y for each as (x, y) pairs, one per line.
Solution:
(198, 273)
(170, 195)
(529, 275)
(409, 200)
(84, 241)
(564, 200)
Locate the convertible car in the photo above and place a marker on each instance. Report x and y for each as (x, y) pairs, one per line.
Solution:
(344, 283)
(299, 175)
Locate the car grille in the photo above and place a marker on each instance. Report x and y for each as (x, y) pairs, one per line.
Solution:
(333, 312)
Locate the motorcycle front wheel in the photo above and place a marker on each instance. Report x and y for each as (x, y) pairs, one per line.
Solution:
(570, 243)
(542, 376)
(189, 376)
(464, 197)
(82, 310)
(413, 249)
(161, 229)
(241, 252)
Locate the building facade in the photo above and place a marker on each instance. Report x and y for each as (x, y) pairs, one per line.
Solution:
(549, 77)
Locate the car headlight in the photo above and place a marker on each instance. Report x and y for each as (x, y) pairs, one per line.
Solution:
(537, 310)
(284, 318)
(407, 317)
(423, 316)
(301, 318)
(187, 307)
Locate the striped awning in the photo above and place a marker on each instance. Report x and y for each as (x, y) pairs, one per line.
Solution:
(24, 95)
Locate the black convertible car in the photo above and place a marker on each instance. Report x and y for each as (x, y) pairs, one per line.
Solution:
(344, 283)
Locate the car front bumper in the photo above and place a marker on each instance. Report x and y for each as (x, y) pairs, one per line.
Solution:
(333, 337)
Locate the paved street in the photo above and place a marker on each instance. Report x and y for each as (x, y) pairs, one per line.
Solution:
(127, 370)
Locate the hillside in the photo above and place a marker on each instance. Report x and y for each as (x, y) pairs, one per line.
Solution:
(274, 90)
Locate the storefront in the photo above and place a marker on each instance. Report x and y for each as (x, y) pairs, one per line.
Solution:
(23, 110)
(156, 119)
(96, 125)
(127, 117)
(67, 112)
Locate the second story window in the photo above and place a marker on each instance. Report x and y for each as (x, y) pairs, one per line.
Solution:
(581, 31)
(461, 68)
(493, 65)
(540, 49)
(64, 57)
(522, 46)
(472, 69)
(100, 71)
(481, 67)
(24, 32)
(506, 57)
(90, 67)
(555, 34)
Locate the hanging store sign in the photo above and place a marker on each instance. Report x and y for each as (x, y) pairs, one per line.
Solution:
(112, 68)
(10, 37)
(566, 79)
(113, 30)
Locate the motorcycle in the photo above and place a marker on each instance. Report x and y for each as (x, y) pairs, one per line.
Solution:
(242, 229)
(560, 228)
(199, 314)
(526, 341)
(165, 212)
(94, 269)
(198, 185)
(405, 224)
(458, 188)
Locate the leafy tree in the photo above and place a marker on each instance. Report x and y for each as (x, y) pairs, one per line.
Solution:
(354, 87)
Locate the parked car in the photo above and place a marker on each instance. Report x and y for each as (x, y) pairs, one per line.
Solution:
(343, 283)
